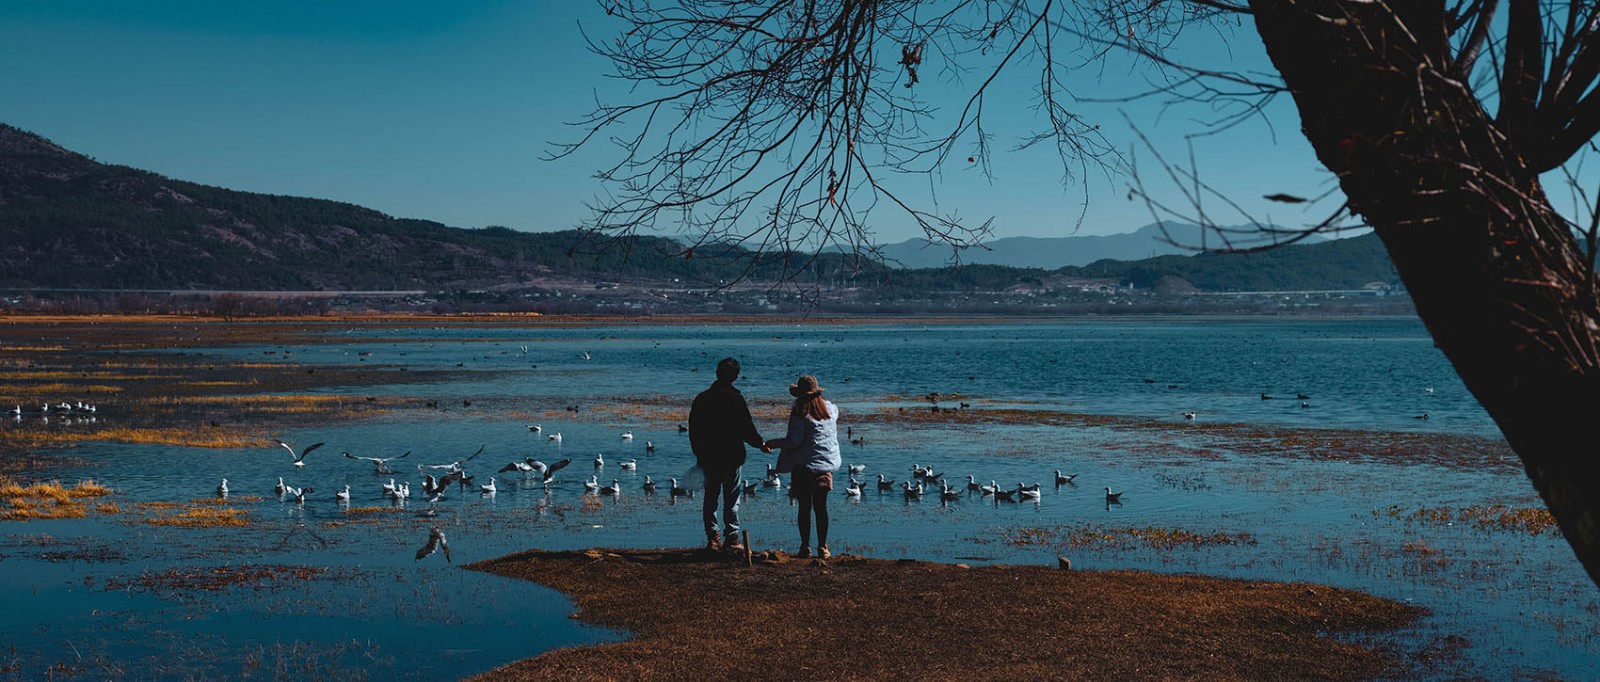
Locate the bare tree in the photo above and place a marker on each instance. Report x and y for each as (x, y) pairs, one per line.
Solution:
(780, 124)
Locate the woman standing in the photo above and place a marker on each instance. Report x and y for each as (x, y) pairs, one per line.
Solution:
(810, 450)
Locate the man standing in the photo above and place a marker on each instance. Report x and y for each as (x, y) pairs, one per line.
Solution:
(719, 427)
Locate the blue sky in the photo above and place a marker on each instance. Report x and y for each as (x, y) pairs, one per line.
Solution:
(443, 110)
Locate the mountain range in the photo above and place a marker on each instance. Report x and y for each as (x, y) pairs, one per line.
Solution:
(1156, 239)
(68, 221)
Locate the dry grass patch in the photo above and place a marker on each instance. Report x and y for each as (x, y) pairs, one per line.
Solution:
(182, 581)
(1084, 536)
(203, 516)
(1493, 517)
(48, 499)
(857, 618)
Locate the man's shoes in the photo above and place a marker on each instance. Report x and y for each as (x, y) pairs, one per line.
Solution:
(734, 546)
(822, 552)
(712, 543)
(805, 552)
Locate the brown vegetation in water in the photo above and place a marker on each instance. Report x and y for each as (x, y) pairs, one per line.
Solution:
(857, 618)
(1525, 520)
(47, 500)
(1091, 535)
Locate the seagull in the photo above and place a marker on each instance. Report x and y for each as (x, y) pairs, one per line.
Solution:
(683, 429)
(884, 483)
(649, 485)
(300, 457)
(299, 494)
(585, 355)
(613, 489)
(627, 435)
(599, 460)
(972, 483)
(550, 471)
(435, 543)
(859, 441)
(555, 437)
(488, 489)
(1424, 415)
(1028, 493)
(1113, 497)
(649, 446)
(679, 491)
(1190, 415)
(990, 489)
(772, 481)
(1027, 488)
(433, 487)
(380, 465)
(748, 487)
(280, 487)
(949, 494)
(1063, 479)
(858, 468)
(1007, 495)
(222, 488)
(629, 465)
(535, 428)
(453, 466)
(854, 489)
(343, 495)
(592, 485)
(388, 488)
(528, 465)
(913, 491)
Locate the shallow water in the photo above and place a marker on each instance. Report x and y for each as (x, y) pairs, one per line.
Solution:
(1523, 602)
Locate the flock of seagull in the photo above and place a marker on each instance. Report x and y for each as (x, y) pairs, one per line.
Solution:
(440, 479)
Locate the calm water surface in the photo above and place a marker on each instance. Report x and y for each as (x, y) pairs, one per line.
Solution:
(1522, 603)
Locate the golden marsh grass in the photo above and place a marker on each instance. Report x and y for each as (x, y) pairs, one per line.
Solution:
(203, 516)
(1490, 517)
(1089, 536)
(47, 500)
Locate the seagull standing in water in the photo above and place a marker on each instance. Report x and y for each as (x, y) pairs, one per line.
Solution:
(488, 489)
(222, 488)
(300, 457)
(343, 495)
(627, 435)
(280, 487)
(436, 542)
(1113, 497)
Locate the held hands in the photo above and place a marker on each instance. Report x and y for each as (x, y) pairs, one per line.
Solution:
(767, 446)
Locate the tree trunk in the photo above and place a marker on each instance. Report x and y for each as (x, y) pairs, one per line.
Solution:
(1495, 273)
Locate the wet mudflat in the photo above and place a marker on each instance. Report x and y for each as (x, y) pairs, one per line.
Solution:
(161, 577)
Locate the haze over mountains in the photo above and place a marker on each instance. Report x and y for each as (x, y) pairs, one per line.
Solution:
(1150, 241)
(67, 221)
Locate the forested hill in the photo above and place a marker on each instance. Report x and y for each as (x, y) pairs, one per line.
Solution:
(67, 221)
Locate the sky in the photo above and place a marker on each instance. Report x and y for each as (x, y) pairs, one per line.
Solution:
(446, 111)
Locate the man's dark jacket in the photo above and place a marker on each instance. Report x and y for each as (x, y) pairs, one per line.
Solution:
(720, 426)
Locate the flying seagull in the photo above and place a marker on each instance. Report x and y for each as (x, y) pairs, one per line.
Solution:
(453, 466)
(550, 471)
(300, 457)
(436, 542)
(380, 465)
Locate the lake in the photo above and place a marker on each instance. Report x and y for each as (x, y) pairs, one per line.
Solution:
(1336, 451)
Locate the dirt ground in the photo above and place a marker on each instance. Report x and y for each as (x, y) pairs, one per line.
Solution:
(699, 615)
